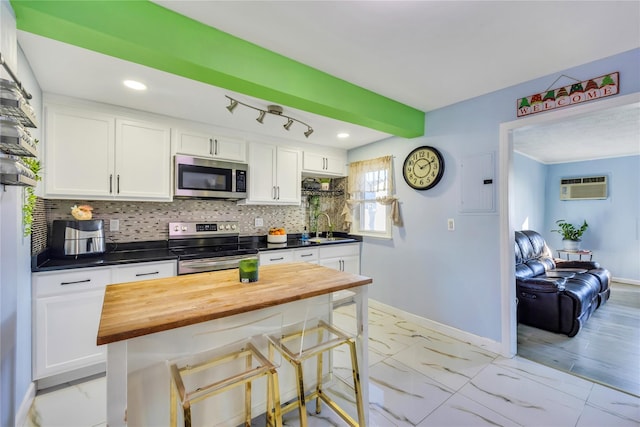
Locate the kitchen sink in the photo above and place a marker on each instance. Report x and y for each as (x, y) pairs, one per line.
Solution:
(330, 239)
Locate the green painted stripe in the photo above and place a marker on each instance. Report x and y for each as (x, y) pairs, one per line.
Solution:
(145, 33)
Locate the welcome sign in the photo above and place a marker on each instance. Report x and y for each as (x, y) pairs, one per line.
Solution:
(575, 93)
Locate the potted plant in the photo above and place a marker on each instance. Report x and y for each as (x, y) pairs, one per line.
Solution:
(324, 183)
(570, 234)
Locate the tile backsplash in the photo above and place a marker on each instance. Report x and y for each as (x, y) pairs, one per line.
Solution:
(144, 221)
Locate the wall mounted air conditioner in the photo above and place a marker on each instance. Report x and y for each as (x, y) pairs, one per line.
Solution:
(584, 188)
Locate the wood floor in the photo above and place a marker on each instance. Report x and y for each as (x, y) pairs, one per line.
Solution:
(606, 350)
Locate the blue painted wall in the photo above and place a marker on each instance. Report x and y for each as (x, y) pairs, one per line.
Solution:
(453, 277)
(529, 193)
(614, 223)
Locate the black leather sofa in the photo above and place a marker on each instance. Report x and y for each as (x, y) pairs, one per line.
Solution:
(556, 295)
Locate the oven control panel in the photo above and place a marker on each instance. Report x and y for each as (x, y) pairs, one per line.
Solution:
(202, 229)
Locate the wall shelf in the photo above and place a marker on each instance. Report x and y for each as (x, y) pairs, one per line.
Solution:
(14, 105)
(17, 179)
(326, 193)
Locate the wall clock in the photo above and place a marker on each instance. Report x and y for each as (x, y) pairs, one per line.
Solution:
(423, 168)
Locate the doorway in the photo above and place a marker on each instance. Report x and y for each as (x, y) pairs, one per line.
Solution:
(507, 200)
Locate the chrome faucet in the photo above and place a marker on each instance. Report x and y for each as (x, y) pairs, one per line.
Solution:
(328, 224)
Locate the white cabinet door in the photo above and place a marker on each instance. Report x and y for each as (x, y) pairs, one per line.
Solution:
(262, 161)
(143, 161)
(66, 314)
(79, 153)
(67, 326)
(323, 164)
(205, 145)
(349, 264)
(143, 271)
(91, 155)
(288, 177)
(306, 255)
(276, 257)
(274, 175)
(343, 257)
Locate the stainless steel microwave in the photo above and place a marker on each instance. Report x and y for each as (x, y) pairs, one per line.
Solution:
(199, 177)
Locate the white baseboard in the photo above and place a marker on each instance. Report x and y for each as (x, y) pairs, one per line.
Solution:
(627, 281)
(23, 412)
(485, 343)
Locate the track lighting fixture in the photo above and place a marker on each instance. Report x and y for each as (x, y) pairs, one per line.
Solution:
(232, 105)
(275, 110)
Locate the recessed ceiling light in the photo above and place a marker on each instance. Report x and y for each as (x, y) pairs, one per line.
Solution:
(343, 135)
(132, 84)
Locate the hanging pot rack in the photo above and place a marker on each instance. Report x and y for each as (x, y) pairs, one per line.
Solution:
(15, 79)
(15, 115)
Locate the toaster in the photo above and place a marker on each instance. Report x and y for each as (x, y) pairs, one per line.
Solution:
(77, 238)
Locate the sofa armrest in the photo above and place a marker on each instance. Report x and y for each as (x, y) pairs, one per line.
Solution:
(539, 284)
(587, 265)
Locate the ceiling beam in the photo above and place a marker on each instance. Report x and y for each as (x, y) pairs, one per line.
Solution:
(148, 34)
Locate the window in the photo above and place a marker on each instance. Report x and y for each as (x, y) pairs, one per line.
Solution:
(371, 208)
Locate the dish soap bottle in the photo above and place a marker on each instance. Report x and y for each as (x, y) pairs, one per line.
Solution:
(305, 235)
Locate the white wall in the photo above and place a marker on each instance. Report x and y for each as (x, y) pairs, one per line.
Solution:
(454, 277)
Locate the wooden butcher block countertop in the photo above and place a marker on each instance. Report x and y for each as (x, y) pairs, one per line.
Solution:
(140, 308)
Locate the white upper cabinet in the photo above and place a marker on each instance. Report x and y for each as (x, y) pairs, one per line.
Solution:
(206, 145)
(143, 161)
(274, 175)
(94, 155)
(323, 164)
(79, 153)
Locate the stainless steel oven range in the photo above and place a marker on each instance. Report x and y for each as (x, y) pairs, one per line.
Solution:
(207, 246)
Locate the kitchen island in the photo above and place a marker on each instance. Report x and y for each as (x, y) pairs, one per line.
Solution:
(146, 323)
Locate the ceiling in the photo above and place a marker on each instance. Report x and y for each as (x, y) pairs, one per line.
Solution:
(426, 54)
(614, 132)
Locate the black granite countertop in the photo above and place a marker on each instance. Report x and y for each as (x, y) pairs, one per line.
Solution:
(134, 252)
(116, 254)
(294, 241)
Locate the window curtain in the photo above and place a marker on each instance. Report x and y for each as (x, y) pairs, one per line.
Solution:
(367, 176)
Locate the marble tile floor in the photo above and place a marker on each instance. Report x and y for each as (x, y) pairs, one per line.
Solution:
(418, 377)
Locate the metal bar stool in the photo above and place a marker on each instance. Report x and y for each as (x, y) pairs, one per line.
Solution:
(255, 366)
(324, 337)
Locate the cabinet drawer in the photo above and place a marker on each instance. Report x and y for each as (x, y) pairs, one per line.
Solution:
(306, 255)
(276, 257)
(144, 271)
(340, 250)
(68, 281)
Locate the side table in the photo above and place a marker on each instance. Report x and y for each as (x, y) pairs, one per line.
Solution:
(580, 253)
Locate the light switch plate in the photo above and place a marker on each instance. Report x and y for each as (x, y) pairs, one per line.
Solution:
(451, 225)
(259, 222)
(114, 225)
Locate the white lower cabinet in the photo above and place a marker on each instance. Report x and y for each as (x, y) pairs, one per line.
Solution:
(306, 255)
(143, 271)
(66, 313)
(276, 257)
(343, 257)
